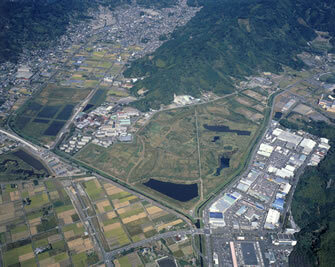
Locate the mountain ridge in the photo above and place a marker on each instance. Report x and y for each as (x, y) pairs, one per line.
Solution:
(224, 42)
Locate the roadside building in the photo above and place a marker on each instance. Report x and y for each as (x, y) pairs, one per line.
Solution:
(278, 204)
(283, 240)
(265, 150)
(308, 145)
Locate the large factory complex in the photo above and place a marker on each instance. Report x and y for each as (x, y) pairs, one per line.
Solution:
(258, 200)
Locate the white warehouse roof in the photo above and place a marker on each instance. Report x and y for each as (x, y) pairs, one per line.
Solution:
(324, 140)
(308, 143)
(289, 137)
(284, 173)
(265, 150)
(273, 217)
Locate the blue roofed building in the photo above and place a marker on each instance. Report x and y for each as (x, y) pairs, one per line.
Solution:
(278, 204)
(216, 215)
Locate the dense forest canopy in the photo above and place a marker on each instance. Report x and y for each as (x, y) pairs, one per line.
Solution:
(229, 40)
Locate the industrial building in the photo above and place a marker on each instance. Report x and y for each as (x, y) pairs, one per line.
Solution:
(272, 219)
(283, 240)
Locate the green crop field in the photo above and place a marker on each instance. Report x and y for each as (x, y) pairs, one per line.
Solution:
(37, 201)
(94, 190)
(64, 208)
(118, 237)
(77, 229)
(11, 257)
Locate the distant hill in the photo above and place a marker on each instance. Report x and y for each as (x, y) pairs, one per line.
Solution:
(229, 40)
(31, 24)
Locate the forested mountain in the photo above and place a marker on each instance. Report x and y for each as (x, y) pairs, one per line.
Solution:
(313, 205)
(31, 24)
(228, 40)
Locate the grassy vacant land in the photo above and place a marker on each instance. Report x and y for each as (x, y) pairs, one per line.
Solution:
(167, 147)
(181, 249)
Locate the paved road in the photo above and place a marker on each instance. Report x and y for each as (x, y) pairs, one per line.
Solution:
(17, 138)
(80, 206)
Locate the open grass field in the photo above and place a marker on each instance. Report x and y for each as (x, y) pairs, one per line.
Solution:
(37, 201)
(169, 142)
(22, 255)
(73, 230)
(180, 249)
(94, 189)
(166, 148)
(129, 260)
(117, 162)
(217, 144)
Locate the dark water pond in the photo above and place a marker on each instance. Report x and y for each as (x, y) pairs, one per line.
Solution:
(54, 128)
(166, 262)
(27, 158)
(41, 121)
(96, 97)
(224, 163)
(278, 115)
(215, 138)
(48, 111)
(65, 113)
(225, 129)
(88, 106)
(33, 106)
(10, 170)
(180, 192)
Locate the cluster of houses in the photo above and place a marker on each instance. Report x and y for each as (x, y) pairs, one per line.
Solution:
(327, 102)
(103, 126)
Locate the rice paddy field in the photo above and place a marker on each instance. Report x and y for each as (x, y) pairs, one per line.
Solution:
(43, 116)
(208, 142)
(122, 217)
(40, 215)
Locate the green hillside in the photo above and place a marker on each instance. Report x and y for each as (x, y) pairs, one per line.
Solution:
(313, 206)
(225, 41)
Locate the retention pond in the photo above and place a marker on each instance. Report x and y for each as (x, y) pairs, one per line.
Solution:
(225, 129)
(180, 192)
